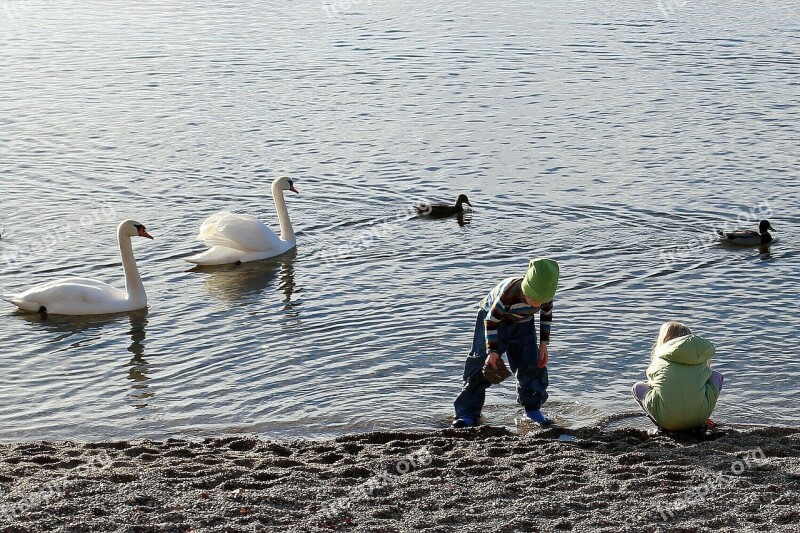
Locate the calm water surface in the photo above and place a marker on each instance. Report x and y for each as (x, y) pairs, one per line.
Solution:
(612, 136)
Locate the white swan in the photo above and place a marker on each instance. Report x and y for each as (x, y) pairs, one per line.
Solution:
(79, 296)
(234, 238)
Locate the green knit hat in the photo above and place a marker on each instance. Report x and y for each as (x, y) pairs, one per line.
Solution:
(541, 280)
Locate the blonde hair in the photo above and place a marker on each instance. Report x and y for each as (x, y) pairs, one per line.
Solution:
(669, 331)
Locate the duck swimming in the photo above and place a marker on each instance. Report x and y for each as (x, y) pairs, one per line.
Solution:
(443, 210)
(749, 237)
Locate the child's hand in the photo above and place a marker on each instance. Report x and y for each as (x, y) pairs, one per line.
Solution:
(492, 359)
(543, 357)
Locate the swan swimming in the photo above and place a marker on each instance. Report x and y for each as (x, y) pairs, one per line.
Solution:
(234, 238)
(80, 296)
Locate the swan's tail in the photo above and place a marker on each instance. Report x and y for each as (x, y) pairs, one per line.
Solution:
(22, 304)
(217, 255)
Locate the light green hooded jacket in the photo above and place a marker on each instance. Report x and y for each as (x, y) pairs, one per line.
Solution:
(681, 395)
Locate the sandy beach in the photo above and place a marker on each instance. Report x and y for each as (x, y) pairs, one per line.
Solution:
(482, 479)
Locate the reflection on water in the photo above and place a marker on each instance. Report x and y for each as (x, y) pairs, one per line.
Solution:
(604, 139)
(69, 326)
(240, 284)
(86, 330)
(138, 367)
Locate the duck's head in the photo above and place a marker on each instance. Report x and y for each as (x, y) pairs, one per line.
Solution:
(131, 228)
(284, 183)
(462, 199)
(765, 226)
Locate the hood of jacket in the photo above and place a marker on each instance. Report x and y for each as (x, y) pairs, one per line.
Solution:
(681, 394)
(687, 350)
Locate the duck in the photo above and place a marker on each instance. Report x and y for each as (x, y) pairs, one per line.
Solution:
(442, 209)
(80, 296)
(749, 237)
(235, 239)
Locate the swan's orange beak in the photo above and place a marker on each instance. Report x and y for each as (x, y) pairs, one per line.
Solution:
(143, 233)
(291, 188)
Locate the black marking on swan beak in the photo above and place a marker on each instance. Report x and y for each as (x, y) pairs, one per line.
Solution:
(142, 231)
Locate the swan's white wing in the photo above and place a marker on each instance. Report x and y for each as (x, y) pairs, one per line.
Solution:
(75, 289)
(66, 295)
(239, 232)
(86, 282)
(218, 255)
(209, 226)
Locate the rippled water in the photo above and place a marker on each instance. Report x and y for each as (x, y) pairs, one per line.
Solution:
(612, 136)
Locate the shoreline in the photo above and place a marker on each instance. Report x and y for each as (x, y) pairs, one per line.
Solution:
(480, 479)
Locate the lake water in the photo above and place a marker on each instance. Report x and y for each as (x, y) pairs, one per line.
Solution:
(611, 136)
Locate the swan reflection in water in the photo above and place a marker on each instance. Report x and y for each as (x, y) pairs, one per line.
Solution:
(245, 282)
(138, 367)
(90, 326)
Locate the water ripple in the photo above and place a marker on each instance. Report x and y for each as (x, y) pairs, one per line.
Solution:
(607, 135)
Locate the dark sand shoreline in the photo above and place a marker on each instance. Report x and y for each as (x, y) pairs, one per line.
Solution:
(481, 479)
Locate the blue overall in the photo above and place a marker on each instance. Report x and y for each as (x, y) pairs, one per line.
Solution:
(519, 342)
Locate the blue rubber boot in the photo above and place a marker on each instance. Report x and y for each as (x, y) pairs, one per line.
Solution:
(463, 422)
(536, 416)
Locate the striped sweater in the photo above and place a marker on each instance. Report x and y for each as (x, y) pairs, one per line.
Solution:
(506, 303)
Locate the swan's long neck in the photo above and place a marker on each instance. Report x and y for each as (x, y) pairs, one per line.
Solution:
(287, 233)
(133, 281)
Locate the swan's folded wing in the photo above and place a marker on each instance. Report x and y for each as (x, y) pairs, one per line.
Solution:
(79, 282)
(209, 226)
(240, 232)
(69, 292)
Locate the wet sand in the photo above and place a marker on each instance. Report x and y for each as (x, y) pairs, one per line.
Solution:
(478, 480)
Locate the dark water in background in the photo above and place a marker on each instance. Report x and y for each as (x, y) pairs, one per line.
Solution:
(603, 134)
